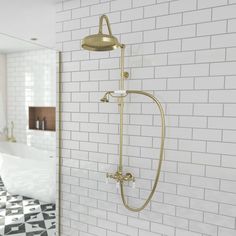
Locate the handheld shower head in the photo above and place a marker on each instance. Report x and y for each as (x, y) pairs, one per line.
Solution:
(114, 94)
(101, 41)
(105, 98)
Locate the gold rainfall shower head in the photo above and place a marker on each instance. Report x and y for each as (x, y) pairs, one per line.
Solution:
(101, 41)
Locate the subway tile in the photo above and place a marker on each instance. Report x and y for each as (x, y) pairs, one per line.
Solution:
(213, 55)
(162, 229)
(127, 229)
(211, 3)
(212, 28)
(186, 31)
(228, 186)
(156, 10)
(131, 38)
(197, 16)
(208, 109)
(80, 12)
(229, 161)
(193, 96)
(223, 68)
(207, 134)
(220, 197)
(203, 227)
(63, 16)
(196, 122)
(223, 40)
(167, 71)
(175, 221)
(176, 200)
(120, 5)
(190, 191)
(180, 83)
(183, 5)
(196, 43)
(132, 14)
(220, 172)
(71, 25)
(219, 220)
(91, 2)
(204, 205)
(177, 58)
(230, 82)
(140, 3)
(195, 70)
(177, 178)
(223, 96)
(155, 60)
(224, 12)
(224, 231)
(168, 21)
(181, 232)
(179, 109)
(221, 148)
(228, 210)
(189, 213)
(204, 182)
(100, 8)
(193, 169)
(231, 25)
(146, 24)
(168, 46)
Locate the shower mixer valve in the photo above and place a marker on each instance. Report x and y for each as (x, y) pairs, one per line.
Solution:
(119, 177)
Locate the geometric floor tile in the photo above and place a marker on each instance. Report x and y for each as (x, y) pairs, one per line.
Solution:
(23, 216)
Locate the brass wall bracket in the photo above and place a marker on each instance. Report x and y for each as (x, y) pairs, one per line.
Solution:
(125, 75)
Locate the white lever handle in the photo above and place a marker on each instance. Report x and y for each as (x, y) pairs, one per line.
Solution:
(119, 93)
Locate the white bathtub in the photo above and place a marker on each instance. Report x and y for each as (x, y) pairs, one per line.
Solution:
(28, 171)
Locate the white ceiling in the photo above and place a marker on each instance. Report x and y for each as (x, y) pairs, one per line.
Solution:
(10, 45)
(26, 19)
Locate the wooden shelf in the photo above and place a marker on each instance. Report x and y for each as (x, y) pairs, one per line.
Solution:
(49, 113)
(48, 130)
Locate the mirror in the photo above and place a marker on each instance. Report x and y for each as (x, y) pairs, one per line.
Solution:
(27, 138)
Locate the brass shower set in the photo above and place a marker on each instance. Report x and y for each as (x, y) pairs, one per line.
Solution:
(107, 42)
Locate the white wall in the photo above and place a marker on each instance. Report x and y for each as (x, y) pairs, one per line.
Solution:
(31, 81)
(2, 93)
(184, 53)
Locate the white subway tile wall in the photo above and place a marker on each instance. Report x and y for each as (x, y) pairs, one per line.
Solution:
(183, 52)
(31, 81)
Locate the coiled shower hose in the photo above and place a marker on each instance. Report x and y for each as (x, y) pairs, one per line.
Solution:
(160, 154)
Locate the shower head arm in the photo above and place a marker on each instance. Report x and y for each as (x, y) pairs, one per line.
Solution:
(104, 17)
(100, 31)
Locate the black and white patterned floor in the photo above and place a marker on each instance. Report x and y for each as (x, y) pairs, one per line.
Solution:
(22, 216)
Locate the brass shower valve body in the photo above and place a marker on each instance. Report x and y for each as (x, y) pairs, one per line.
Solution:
(119, 177)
